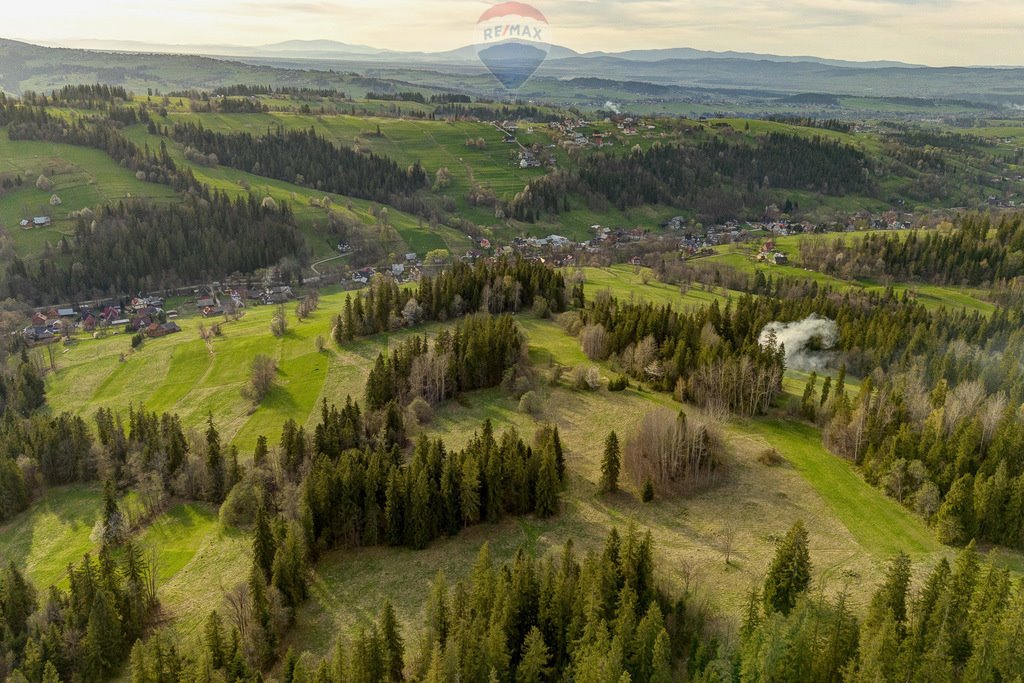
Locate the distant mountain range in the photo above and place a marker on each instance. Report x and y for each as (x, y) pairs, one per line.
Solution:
(566, 77)
(332, 49)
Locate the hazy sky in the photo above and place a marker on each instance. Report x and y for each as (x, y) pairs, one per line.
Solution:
(937, 32)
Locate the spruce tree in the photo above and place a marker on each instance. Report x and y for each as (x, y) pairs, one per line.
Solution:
(213, 638)
(291, 661)
(547, 485)
(289, 569)
(420, 511)
(610, 464)
(394, 508)
(661, 659)
(393, 647)
(807, 402)
(261, 637)
(890, 600)
(214, 463)
(790, 572)
(263, 542)
(826, 390)
(556, 444)
(103, 641)
(17, 602)
(50, 674)
(533, 666)
(647, 495)
(469, 490)
(259, 456)
(113, 530)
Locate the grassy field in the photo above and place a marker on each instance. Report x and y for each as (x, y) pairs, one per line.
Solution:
(627, 282)
(408, 233)
(195, 559)
(754, 502)
(81, 178)
(435, 144)
(878, 523)
(84, 177)
(53, 533)
(197, 562)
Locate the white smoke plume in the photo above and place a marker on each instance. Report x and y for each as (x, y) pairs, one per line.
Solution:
(807, 341)
(612, 107)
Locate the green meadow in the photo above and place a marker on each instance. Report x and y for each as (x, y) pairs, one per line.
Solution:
(81, 178)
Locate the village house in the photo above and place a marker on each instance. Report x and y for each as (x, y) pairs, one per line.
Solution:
(155, 330)
(39, 334)
(363, 275)
(35, 222)
(276, 294)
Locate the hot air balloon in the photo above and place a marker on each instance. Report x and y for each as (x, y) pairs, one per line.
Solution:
(512, 41)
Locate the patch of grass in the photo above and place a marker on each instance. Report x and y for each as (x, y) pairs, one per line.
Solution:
(176, 535)
(879, 524)
(81, 177)
(53, 533)
(627, 282)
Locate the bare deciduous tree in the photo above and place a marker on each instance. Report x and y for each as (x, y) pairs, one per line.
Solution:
(674, 452)
(261, 378)
(962, 402)
(279, 323)
(594, 342)
(726, 542)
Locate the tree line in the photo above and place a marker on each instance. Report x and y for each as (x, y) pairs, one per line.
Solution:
(305, 158)
(246, 90)
(505, 286)
(99, 132)
(717, 177)
(461, 110)
(980, 251)
(949, 451)
(82, 632)
(369, 497)
(936, 421)
(139, 245)
(343, 487)
(86, 96)
(961, 624)
(479, 353)
(602, 618)
(710, 356)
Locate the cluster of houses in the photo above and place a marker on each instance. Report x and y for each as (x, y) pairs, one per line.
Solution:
(768, 254)
(140, 314)
(570, 130)
(408, 270)
(217, 300)
(527, 159)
